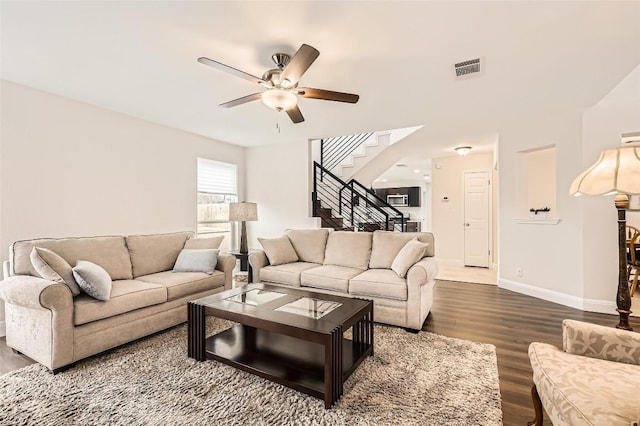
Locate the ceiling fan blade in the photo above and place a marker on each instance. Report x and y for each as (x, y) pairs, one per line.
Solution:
(242, 100)
(295, 115)
(328, 95)
(222, 67)
(299, 64)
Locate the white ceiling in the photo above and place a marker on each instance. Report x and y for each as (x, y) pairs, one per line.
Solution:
(139, 58)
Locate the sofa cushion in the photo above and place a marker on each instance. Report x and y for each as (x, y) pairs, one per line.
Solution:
(126, 296)
(93, 279)
(197, 260)
(288, 274)
(411, 253)
(50, 266)
(387, 244)
(109, 252)
(309, 244)
(179, 284)
(587, 392)
(329, 277)
(204, 243)
(349, 249)
(379, 283)
(155, 253)
(278, 250)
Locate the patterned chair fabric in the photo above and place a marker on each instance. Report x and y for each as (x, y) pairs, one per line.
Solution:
(594, 380)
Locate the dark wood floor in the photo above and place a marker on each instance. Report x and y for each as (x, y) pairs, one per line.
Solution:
(481, 313)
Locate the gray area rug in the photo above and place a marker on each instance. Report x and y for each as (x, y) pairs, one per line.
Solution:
(422, 379)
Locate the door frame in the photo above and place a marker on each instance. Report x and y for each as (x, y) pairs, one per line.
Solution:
(492, 255)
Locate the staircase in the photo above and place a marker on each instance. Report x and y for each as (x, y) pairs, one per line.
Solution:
(350, 205)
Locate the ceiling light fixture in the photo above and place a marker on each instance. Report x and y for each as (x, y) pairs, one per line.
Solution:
(463, 150)
(279, 99)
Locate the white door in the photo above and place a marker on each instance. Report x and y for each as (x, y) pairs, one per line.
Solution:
(476, 219)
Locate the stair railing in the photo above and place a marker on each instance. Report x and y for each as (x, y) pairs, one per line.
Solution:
(334, 150)
(356, 205)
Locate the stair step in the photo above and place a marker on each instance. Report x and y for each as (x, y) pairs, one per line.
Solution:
(332, 222)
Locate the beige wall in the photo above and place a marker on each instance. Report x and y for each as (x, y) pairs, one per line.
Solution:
(537, 181)
(448, 216)
(71, 169)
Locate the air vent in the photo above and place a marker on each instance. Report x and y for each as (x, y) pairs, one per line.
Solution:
(466, 68)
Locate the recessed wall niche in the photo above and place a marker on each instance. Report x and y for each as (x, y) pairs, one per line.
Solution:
(537, 183)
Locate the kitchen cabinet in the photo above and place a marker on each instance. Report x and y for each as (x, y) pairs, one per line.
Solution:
(413, 193)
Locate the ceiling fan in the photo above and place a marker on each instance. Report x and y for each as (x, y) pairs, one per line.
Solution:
(282, 83)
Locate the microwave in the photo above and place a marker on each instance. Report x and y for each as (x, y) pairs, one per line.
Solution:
(398, 200)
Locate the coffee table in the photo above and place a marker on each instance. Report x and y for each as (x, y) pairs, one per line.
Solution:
(289, 336)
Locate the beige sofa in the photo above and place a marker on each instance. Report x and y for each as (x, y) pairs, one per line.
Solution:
(358, 264)
(47, 323)
(593, 380)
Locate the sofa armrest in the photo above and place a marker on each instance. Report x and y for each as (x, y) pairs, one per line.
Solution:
(258, 260)
(422, 272)
(34, 292)
(226, 264)
(597, 341)
(6, 269)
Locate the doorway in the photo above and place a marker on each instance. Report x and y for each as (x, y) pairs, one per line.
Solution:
(477, 218)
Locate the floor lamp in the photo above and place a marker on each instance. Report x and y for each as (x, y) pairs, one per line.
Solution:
(617, 172)
(243, 212)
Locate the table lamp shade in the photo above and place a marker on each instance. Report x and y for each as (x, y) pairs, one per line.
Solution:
(617, 171)
(243, 212)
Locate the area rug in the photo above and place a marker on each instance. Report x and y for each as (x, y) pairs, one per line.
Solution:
(413, 379)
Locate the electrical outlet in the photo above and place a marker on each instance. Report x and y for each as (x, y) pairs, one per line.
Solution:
(519, 272)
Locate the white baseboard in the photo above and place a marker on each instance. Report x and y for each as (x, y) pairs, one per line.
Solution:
(601, 306)
(3, 329)
(542, 293)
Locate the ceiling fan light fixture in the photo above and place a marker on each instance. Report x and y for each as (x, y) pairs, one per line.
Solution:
(279, 99)
(463, 150)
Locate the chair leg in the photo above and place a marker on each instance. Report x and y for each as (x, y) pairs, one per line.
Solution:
(537, 406)
(634, 286)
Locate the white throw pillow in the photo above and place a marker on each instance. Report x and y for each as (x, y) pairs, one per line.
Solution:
(51, 266)
(204, 243)
(408, 256)
(93, 279)
(197, 260)
(278, 250)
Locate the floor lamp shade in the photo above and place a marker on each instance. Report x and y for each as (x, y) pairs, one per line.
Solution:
(243, 212)
(617, 171)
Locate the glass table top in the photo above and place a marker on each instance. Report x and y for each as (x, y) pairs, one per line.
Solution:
(309, 307)
(256, 297)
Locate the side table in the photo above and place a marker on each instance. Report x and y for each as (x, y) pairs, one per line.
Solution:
(244, 262)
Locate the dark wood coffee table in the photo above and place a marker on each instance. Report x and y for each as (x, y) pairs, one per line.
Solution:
(289, 336)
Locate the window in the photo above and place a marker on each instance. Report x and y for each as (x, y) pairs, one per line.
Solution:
(217, 187)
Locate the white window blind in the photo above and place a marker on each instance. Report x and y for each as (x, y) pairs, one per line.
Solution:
(216, 177)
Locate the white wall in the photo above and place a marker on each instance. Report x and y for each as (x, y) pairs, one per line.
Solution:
(279, 179)
(549, 255)
(448, 216)
(72, 169)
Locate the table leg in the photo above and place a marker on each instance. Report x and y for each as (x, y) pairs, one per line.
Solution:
(196, 331)
(333, 377)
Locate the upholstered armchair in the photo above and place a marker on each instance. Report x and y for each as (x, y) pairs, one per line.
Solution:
(593, 380)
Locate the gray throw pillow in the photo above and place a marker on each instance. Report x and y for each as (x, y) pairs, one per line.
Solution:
(51, 266)
(408, 256)
(93, 279)
(278, 250)
(192, 260)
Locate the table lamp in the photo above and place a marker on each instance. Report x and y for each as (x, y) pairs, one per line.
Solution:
(617, 172)
(243, 212)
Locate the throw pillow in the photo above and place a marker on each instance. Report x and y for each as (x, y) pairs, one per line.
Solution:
(197, 260)
(93, 279)
(51, 266)
(278, 250)
(204, 243)
(409, 255)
